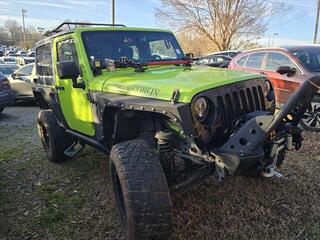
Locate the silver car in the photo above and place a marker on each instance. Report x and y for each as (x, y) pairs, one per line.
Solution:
(21, 81)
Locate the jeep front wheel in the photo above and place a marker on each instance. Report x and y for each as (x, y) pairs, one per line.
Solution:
(140, 190)
(53, 137)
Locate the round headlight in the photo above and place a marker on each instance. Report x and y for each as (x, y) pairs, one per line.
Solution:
(268, 85)
(201, 109)
(269, 93)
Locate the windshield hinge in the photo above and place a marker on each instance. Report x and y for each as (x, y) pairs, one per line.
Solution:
(175, 96)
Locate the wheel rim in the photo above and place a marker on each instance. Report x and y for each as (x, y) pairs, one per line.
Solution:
(119, 196)
(311, 117)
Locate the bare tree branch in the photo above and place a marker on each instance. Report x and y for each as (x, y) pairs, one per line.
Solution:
(225, 24)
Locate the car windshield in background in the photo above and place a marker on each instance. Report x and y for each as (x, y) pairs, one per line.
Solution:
(9, 60)
(310, 58)
(134, 45)
(27, 61)
(7, 69)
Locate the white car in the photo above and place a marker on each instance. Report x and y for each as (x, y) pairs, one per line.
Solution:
(9, 60)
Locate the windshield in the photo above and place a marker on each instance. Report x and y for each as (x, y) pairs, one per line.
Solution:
(27, 61)
(137, 46)
(310, 58)
(9, 59)
(7, 70)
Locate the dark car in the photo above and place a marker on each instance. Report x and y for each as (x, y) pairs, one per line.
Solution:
(6, 94)
(214, 61)
(230, 53)
(287, 68)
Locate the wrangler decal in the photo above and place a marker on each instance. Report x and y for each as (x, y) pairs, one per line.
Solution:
(154, 92)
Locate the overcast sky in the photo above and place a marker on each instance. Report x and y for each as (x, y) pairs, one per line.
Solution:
(295, 26)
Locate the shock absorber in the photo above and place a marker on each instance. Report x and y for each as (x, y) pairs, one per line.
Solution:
(166, 156)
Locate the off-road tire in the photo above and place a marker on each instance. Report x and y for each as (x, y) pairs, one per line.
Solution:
(54, 139)
(140, 191)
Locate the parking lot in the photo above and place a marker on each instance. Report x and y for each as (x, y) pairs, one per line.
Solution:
(73, 200)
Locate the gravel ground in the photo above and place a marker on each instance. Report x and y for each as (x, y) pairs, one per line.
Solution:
(73, 200)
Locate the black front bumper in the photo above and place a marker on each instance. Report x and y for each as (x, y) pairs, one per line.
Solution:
(246, 147)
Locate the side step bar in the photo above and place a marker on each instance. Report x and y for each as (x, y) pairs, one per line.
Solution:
(74, 149)
(88, 140)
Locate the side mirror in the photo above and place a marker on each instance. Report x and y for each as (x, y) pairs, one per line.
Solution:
(13, 75)
(190, 56)
(286, 70)
(69, 69)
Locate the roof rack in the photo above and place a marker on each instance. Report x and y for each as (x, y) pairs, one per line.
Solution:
(72, 25)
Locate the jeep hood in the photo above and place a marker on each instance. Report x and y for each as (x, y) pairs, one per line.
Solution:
(159, 82)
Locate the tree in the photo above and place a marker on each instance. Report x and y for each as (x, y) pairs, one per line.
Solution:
(11, 34)
(191, 42)
(227, 24)
(4, 37)
(14, 29)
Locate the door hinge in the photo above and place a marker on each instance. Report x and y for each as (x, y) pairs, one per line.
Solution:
(59, 87)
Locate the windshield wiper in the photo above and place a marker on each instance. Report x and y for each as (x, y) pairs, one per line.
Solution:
(125, 63)
(185, 62)
(140, 66)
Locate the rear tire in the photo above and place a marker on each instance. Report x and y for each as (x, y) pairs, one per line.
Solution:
(140, 190)
(1, 110)
(54, 139)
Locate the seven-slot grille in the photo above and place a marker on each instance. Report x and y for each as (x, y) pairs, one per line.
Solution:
(230, 103)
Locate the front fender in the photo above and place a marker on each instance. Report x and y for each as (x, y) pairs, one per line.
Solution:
(179, 113)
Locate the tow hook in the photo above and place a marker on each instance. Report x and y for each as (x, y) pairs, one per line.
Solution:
(284, 143)
(270, 171)
(276, 147)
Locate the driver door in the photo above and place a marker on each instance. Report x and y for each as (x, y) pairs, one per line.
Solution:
(74, 102)
(284, 85)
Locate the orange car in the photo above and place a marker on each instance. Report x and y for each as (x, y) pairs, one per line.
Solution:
(287, 68)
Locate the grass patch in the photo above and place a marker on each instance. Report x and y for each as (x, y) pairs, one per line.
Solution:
(2, 194)
(10, 153)
(61, 202)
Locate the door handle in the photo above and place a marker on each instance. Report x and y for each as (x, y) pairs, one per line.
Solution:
(263, 73)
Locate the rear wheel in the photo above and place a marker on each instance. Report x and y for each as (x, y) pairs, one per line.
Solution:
(140, 190)
(311, 118)
(1, 110)
(53, 137)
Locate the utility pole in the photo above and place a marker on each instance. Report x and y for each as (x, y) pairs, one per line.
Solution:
(275, 34)
(23, 11)
(317, 23)
(20, 35)
(113, 12)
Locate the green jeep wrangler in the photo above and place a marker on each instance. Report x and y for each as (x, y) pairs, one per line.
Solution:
(163, 123)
